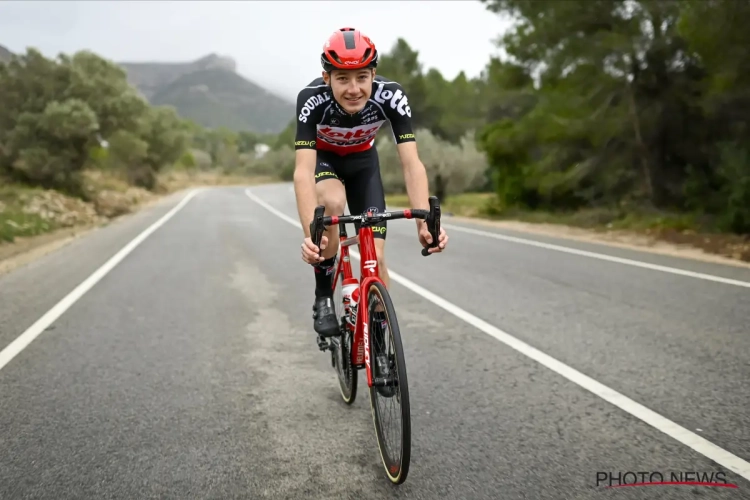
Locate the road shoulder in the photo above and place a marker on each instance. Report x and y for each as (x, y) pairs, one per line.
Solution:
(26, 250)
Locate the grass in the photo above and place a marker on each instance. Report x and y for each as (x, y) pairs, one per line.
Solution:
(605, 219)
(14, 222)
(483, 205)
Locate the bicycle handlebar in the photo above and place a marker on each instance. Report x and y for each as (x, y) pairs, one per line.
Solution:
(432, 216)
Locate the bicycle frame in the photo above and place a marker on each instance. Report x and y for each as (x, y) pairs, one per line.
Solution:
(369, 272)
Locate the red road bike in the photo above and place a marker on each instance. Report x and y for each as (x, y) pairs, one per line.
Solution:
(364, 323)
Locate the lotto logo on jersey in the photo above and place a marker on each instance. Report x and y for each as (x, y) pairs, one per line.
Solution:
(312, 103)
(397, 99)
(348, 136)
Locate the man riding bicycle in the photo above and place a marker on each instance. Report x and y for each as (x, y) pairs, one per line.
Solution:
(338, 117)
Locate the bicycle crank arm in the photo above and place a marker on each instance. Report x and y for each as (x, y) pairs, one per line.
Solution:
(323, 344)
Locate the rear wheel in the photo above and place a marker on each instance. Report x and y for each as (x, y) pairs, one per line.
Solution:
(389, 395)
(341, 354)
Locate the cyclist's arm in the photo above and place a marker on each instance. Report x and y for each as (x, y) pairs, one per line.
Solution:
(304, 186)
(415, 174)
(415, 177)
(305, 161)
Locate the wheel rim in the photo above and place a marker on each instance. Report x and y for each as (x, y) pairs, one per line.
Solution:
(387, 400)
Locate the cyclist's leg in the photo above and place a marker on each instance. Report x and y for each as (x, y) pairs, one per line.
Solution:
(331, 194)
(364, 190)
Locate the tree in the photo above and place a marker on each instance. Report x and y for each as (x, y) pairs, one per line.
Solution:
(451, 168)
(627, 105)
(59, 115)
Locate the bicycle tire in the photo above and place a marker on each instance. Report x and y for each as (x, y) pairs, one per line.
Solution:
(342, 352)
(397, 471)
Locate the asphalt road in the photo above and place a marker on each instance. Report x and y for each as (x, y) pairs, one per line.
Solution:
(190, 369)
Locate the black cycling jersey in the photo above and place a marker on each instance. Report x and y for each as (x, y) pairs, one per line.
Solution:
(323, 125)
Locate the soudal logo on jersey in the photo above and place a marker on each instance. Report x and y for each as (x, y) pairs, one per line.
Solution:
(312, 103)
(349, 136)
(397, 100)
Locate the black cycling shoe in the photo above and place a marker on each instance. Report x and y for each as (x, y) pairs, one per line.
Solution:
(325, 322)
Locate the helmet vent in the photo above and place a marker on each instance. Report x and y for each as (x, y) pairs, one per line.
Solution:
(335, 56)
(349, 40)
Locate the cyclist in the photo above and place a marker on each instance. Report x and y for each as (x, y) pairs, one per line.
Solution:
(338, 117)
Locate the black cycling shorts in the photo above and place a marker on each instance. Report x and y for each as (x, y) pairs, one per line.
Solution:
(360, 175)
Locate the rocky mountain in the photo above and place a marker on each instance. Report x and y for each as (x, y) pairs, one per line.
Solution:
(150, 77)
(210, 92)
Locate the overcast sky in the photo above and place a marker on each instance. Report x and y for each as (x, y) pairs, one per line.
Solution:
(276, 44)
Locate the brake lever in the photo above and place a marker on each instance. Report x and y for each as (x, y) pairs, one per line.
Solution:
(433, 224)
(316, 226)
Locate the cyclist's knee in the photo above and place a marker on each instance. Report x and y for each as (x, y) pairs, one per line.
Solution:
(334, 200)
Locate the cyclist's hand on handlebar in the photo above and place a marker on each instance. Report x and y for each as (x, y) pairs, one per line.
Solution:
(425, 239)
(311, 253)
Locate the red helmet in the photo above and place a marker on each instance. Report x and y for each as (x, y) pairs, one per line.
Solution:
(348, 48)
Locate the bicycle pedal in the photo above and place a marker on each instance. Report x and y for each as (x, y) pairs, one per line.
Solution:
(323, 345)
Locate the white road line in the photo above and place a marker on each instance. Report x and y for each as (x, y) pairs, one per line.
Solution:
(20, 343)
(268, 207)
(671, 429)
(594, 255)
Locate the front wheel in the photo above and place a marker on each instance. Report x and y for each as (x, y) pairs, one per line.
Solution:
(389, 395)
